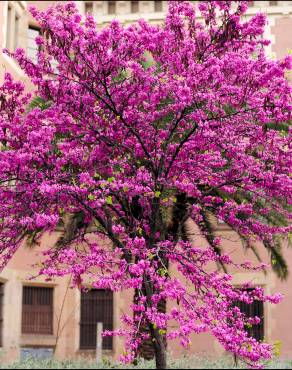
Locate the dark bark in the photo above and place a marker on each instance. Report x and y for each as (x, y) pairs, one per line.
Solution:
(155, 347)
(147, 348)
(157, 339)
(159, 347)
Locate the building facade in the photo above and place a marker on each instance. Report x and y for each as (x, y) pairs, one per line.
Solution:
(41, 318)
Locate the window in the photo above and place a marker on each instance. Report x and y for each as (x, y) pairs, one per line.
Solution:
(251, 310)
(1, 312)
(134, 6)
(88, 7)
(8, 29)
(96, 306)
(32, 47)
(111, 7)
(158, 6)
(16, 31)
(37, 310)
(12, 27)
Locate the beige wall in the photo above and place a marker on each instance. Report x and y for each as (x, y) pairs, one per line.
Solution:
(282, 29)
(278, 325)
(66, 304)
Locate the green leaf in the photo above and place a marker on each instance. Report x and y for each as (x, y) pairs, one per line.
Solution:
(109, 200)
(38, 102)
(162, 271)
(157, 194)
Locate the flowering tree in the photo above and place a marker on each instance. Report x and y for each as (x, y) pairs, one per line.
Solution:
(144, 128)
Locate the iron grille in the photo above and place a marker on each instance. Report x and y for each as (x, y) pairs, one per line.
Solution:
(1, 312)
(96, 306)
(37, 310)
(251, 310)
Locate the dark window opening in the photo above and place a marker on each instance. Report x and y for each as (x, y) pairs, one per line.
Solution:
(96, 306)
(251, 310)
(8, 28)
(158, 6)
(89, 8)
(16, 32)
(134, 6)
(111, 7)
(37, 310)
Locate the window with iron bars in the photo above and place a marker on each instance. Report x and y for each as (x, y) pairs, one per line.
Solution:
(37, 310)
(251, 310)
(96, 306)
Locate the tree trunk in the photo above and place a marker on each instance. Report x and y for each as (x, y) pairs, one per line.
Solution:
(146, 349)
(156, 344)
(160, 359)
(160, 349)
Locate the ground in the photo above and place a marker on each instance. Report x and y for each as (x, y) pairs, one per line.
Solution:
(183, 363)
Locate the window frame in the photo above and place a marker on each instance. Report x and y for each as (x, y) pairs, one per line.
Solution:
(91, 315)
(91, 5)
(34, 314)
(256, 331)
(133, 5)
(114, 4)
(13, 24)
(158, 4)
(37, 48)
